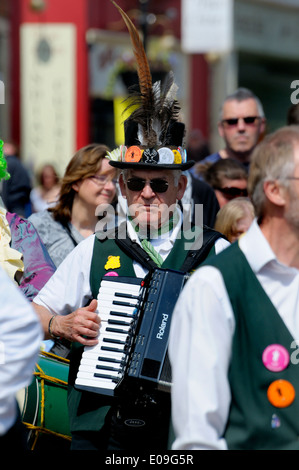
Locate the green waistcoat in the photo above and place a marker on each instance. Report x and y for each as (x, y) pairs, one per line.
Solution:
(254, 423)
(88, 410)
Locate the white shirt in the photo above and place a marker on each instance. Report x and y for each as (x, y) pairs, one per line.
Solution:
(164, 244)
(71, 279)
(201, 338)
(20, 339)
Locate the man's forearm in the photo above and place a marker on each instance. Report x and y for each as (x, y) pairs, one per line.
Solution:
(45, 317)
(81, 326)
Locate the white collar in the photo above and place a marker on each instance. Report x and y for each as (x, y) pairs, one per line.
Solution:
(262, 253)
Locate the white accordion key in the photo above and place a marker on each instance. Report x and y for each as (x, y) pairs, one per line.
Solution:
(102, 365)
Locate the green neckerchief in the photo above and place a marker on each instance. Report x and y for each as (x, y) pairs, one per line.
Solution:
(150, 250)
(146, 243)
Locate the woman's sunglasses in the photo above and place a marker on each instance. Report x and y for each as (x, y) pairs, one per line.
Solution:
(233, 192)
(157, 185)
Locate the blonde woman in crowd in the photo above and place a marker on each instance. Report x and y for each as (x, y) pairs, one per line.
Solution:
(235, 218)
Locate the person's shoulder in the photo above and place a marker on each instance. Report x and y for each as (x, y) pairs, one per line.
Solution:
(88, 241)
(43, 217)
(85, 245)
(225, 255)
(35, 192)
(15, 221)
(200, 167)
(15, 164)
(80, 255)
(200, 185)
(45, 224)
(78, 259)
(12, 161)
(214, 157)
(213, 267)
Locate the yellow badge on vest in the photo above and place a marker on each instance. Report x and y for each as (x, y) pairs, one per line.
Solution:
(113, 262)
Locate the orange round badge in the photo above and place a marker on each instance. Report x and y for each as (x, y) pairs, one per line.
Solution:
(281, 393)
(133, 154)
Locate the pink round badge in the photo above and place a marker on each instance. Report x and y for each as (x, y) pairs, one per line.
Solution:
(111, 273)
(275, 357)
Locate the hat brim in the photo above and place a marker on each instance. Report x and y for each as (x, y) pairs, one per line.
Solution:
(151, 166)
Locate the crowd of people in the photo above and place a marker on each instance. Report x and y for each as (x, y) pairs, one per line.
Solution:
(235, 322)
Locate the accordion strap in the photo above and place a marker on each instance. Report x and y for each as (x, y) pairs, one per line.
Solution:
(136, 252)
(193, 258)
(196, 257)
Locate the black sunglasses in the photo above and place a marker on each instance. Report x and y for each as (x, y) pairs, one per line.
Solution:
(234, 121)
(233, 192)
(157, 185)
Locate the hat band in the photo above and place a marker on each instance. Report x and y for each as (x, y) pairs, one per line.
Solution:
(152, 156)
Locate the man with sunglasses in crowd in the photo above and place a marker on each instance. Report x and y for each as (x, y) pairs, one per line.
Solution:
(241, 125)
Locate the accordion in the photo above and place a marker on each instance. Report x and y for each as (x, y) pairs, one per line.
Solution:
(133, 340)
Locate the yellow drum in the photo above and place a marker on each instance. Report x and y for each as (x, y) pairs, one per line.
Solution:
(44, 403)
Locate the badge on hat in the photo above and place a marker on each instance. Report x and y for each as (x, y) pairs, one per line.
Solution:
(133, 154)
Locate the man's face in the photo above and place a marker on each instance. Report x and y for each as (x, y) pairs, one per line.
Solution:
(241, 137)
(292, 207)
(148, 206)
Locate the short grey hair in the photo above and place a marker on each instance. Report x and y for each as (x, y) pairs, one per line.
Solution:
(271, 160)
(242, 94)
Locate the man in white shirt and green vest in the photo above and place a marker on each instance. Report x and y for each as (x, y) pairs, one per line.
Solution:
(152, 236)
(236, 323)
(68, 307)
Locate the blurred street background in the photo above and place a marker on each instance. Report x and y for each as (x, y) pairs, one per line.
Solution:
(66, 67)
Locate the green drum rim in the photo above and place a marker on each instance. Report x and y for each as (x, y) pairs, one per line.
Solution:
(50, 371)
(28, 401)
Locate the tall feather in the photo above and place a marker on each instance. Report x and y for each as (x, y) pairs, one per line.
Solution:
(155, 106)
(143, 68)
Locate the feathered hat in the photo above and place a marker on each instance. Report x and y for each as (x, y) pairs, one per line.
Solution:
(153, 133)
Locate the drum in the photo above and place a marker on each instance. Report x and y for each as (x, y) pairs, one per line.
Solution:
(43, 404)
